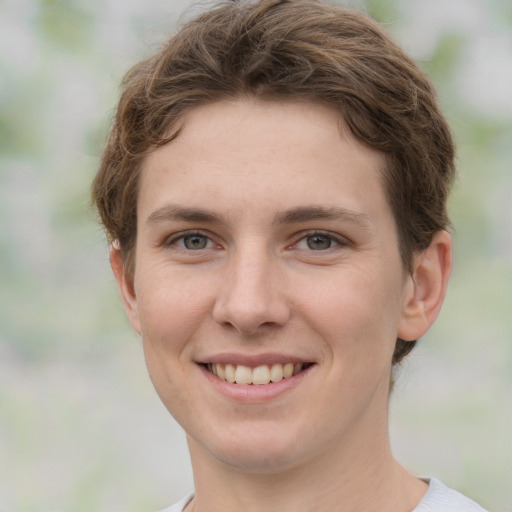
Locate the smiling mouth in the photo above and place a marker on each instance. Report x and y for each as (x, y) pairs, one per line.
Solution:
(259, 375)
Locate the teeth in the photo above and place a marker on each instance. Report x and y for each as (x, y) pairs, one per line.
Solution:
(230, 372)
(243, 375)
(297, 368)
(221, 371)
(277, 372)
(260, 375)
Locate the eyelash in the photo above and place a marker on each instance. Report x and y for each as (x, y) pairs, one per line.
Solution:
(173, 241)
(302, 237)
(338, 240)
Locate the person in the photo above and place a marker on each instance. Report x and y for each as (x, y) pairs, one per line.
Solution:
(274, 193)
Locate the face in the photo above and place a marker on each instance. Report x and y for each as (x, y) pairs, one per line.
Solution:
(267, 255)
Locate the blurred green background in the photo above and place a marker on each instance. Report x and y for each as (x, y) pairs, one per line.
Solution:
(81, 429)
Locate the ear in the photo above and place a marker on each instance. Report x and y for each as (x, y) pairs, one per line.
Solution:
(426, 287)
(125, 285)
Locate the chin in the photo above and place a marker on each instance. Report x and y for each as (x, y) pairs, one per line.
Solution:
(257, 461)
(258, 451)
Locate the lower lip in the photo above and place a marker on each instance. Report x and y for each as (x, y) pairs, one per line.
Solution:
(255, 392)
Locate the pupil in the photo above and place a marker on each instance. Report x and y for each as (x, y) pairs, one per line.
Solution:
(318, 242)
(195, 242)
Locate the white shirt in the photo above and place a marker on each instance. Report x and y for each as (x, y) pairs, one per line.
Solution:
(438, 498)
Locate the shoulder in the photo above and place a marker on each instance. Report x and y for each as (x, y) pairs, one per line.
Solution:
(440, 498)
(180, 506)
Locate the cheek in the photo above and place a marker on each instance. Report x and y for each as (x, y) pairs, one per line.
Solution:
(171, 307)
(356, 310)
(171, 310)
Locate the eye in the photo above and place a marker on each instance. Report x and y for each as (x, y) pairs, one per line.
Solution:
(192, 242)
(195, 242)
(317, 242)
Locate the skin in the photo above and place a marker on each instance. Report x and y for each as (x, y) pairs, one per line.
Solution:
(296, 257)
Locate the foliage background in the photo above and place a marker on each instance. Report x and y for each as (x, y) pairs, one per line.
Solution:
(80, 427)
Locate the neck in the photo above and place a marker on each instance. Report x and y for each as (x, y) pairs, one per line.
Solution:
(356, 477)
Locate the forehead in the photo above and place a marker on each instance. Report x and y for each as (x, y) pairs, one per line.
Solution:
(263, 155)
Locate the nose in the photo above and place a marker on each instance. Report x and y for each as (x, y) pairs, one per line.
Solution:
(251, 296)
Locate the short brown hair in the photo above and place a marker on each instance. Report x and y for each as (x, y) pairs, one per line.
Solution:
(278, 50)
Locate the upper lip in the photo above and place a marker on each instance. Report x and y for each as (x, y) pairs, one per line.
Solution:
(252, 360)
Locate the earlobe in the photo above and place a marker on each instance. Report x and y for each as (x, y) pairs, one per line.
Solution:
(126, 288)
(426, 289)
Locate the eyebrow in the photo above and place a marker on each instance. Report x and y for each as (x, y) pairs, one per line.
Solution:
(177, 213)
(308, 213)
(292, 216)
